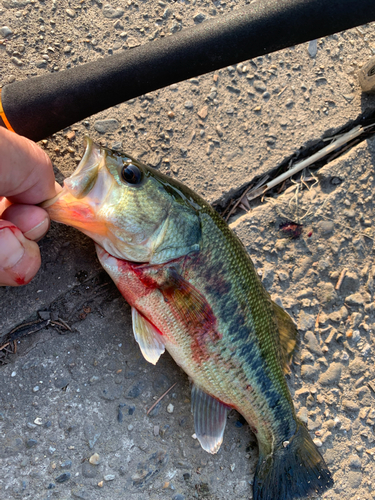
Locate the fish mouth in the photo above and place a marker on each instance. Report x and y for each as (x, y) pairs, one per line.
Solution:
(78, 202)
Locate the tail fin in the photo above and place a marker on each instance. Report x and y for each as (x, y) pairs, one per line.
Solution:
(296, 469)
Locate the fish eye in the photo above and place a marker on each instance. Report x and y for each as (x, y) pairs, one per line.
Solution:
(131, 174)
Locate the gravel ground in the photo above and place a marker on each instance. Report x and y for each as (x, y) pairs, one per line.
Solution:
(73, 412)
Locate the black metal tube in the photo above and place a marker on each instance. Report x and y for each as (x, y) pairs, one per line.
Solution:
(40, 106)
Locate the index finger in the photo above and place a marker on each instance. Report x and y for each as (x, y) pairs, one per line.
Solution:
(26, 172)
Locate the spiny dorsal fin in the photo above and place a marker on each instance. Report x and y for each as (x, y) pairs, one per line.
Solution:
(149, 339)
(210, 418)
(288, 336)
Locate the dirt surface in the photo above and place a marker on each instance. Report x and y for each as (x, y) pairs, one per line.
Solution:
(79, 386)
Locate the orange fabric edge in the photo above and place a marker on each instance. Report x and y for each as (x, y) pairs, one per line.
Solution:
(3, 116)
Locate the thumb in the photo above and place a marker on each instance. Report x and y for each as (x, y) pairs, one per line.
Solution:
(19, 257)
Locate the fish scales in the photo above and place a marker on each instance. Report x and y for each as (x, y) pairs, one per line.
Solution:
(194, 291)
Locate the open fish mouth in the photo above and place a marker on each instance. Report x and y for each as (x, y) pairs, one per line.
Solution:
(78, 203)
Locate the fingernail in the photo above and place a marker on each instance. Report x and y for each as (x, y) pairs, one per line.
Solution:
(11, 250)
(37, 231)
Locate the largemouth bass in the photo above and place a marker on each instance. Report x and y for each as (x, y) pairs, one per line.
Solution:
(194, 291)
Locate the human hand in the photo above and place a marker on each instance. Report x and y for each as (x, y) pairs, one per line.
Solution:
(26, 178)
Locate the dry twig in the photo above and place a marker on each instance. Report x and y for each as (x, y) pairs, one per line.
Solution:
(161, 397)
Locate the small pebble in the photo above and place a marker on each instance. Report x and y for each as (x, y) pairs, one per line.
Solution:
(13, 374)
(170, 408)
(109, 477)
(30, 443)
(313, 48)
(62, 478)
(189, 104)
(36, 388)
(94, 459)
(5, 31)
(199, 17)
(38, 421)
(66, 465)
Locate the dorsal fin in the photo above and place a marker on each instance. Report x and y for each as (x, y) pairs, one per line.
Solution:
(288, 336)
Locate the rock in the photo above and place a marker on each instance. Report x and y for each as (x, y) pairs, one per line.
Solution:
(357, 366)
(335, 316)
(309, 371)
(326, 293)
(170, 408)
(16, 61)
(366, 350)
(61, 382)
(313, 344)
(41, 63)
(199, 17)
(259, 86)
(67, 464)
(15, 4)
(112, 13)
(106, 126)
(203, 112)
(94, 459)
(62, 478)
(5, 31)
(30, 443)
(178, 497)
(189, 104)
(109, 477)
(70, 12)
(332, 375)
(132, 42)
(349, 405)
(312, 48)
(305, 321)
(356, 299)
(136, 390)
(326, 226)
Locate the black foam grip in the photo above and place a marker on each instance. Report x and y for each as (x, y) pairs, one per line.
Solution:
(40, 106)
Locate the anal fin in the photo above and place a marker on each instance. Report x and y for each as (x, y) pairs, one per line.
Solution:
(210, 418)
(149, 339)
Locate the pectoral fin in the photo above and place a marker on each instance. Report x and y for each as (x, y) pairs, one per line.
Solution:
(210, 418)
(149, 339)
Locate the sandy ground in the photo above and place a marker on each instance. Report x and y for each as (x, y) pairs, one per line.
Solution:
(67, 395)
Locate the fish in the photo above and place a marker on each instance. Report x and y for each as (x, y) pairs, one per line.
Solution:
(194, 291)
